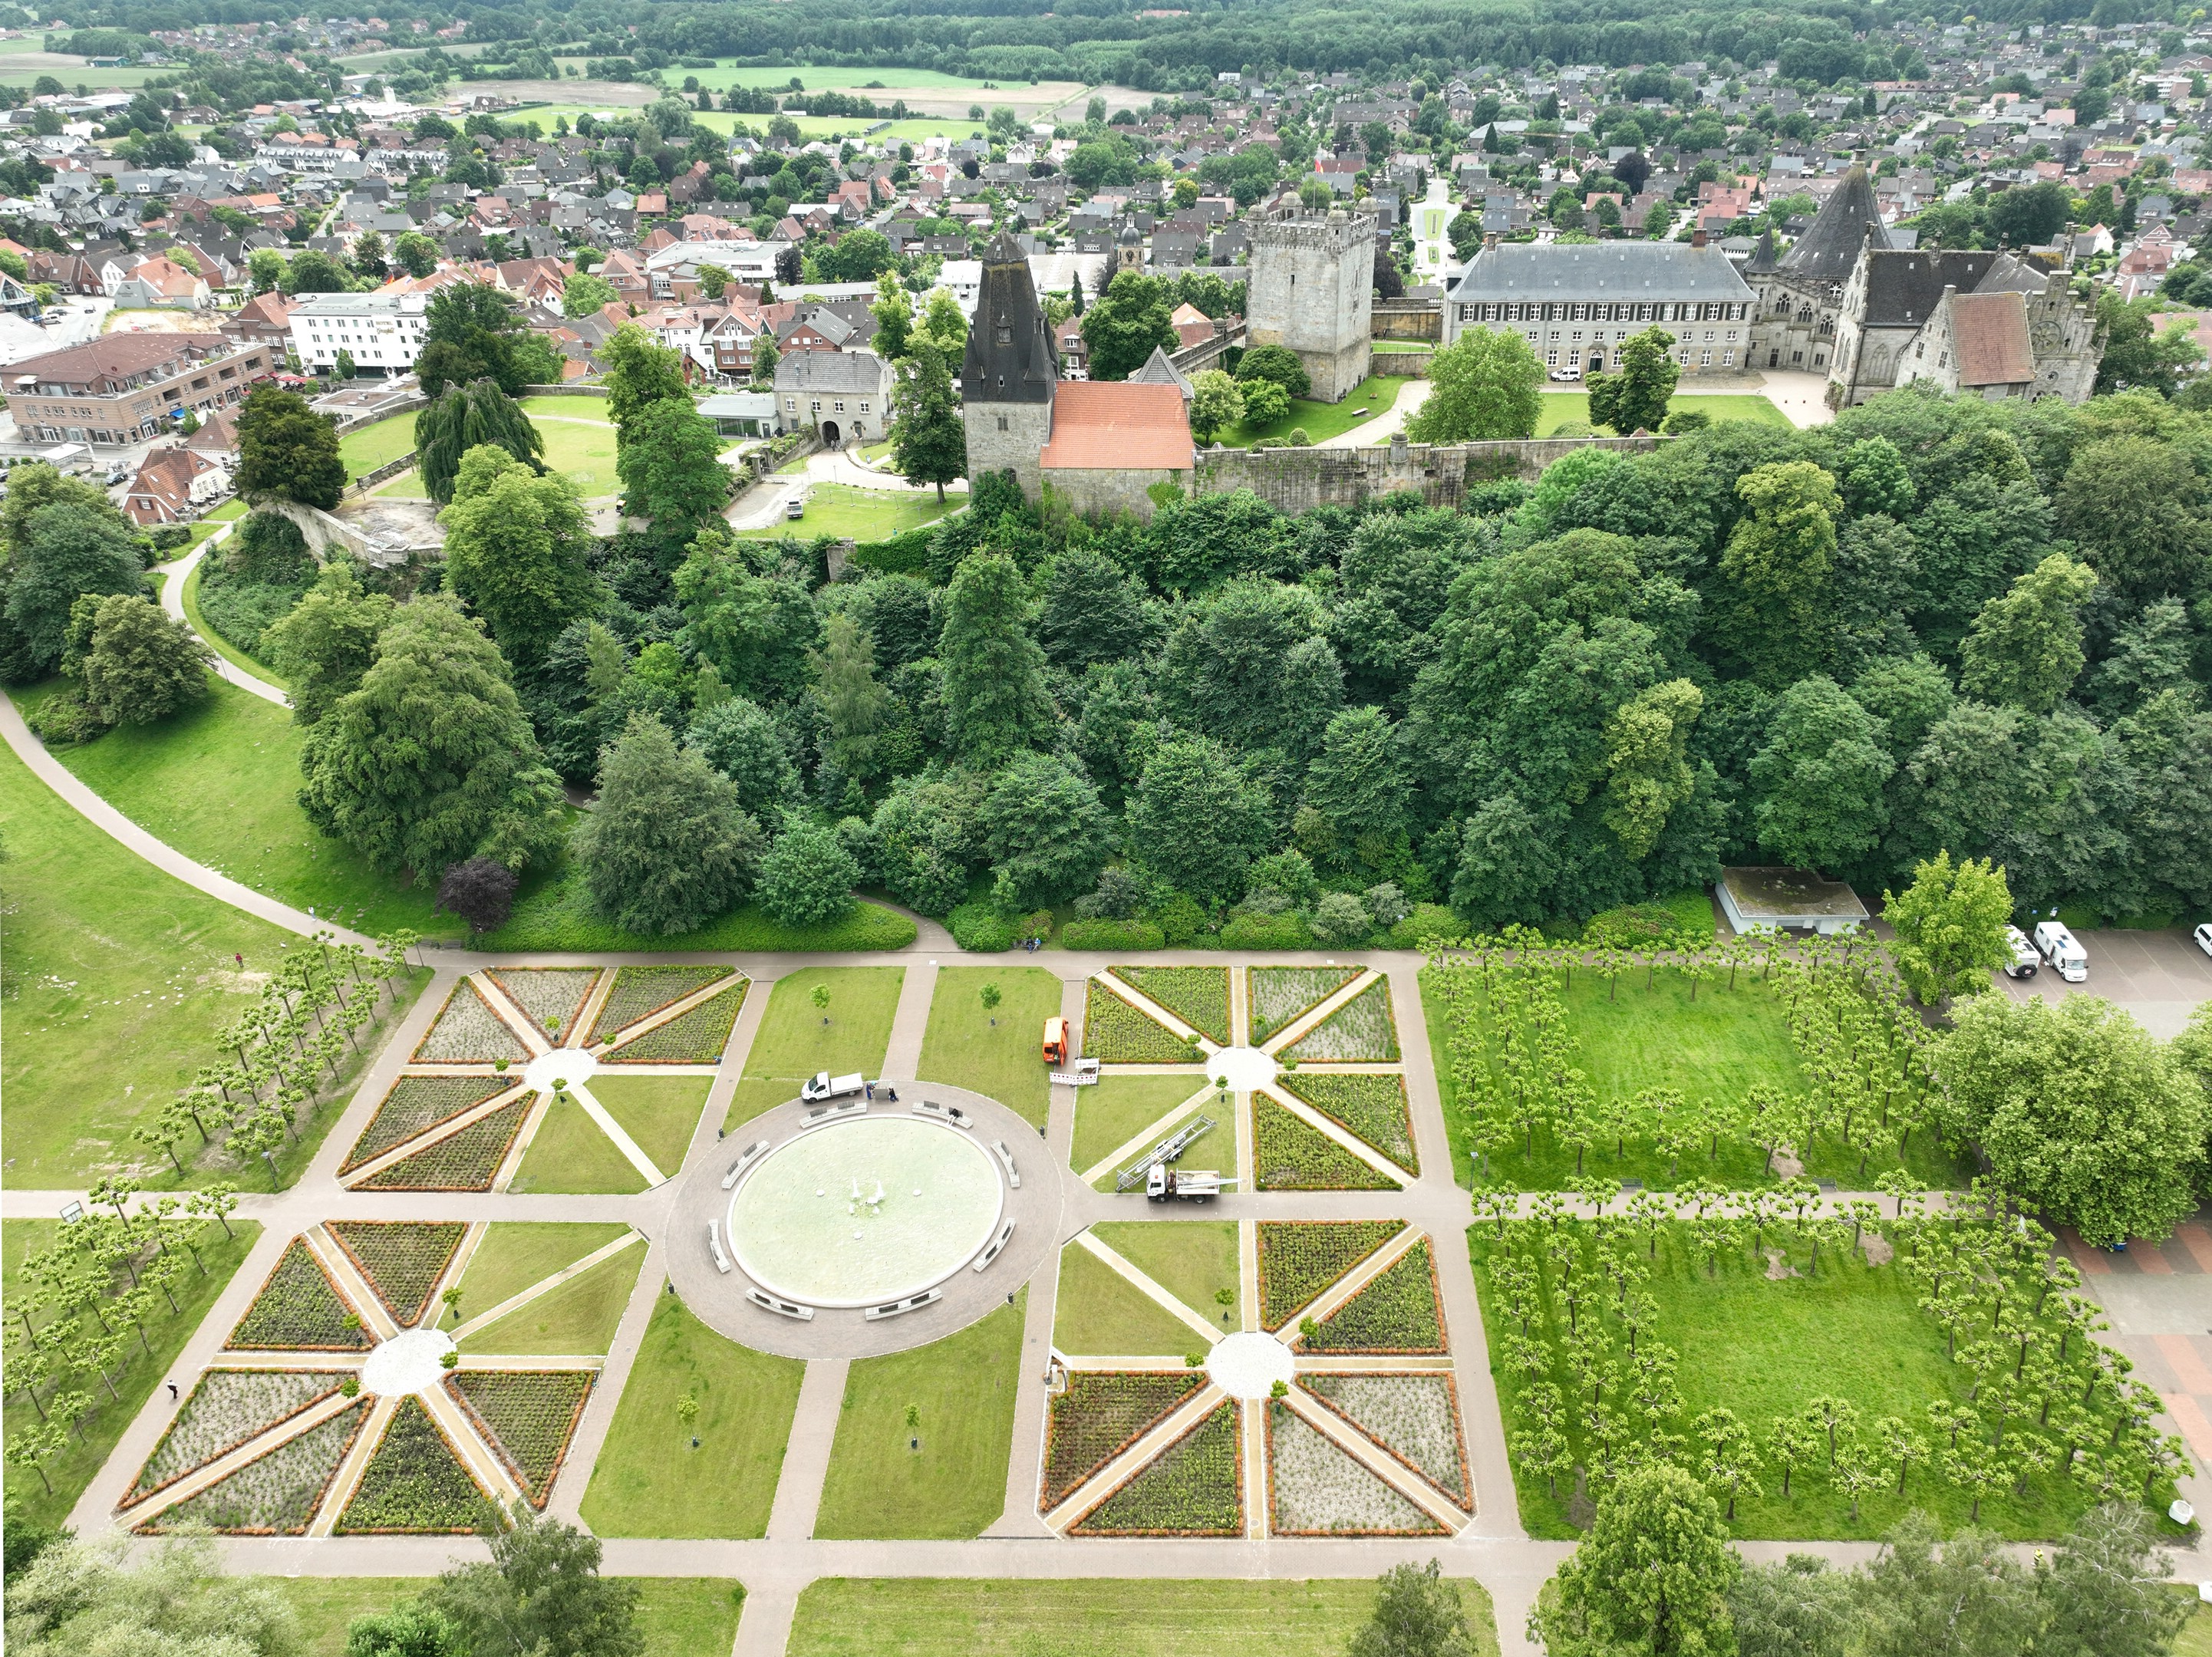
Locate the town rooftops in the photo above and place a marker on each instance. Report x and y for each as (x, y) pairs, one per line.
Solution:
(1624, 269)
(100, 366)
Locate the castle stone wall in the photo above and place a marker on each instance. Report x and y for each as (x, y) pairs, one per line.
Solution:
(1298, 479)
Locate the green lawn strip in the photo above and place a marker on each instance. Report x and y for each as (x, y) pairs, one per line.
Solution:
(659, 1112)
(1152, 1616)
(1117, 1109)
(572, 1154)
(166, 1334)
(1719, 1045)
(220, 782)
(792, 1042)
(1559, 408)
(1289, 1155)
(223, 647)
(649, 1481)
(1116, 1031)
(955, 1484)
(558, 917)
(117, 977)
(516, 1253)
(1101, 1314)
(679, 1615)
(585, 455)
(1214, 1149)
(568, 407)
(1197, 995)
(368, 447)
(841, 510)
(577, 1319)
(1763, 1347)
(1370, 399)
(407, 486)
(1193, 1261)
(1002, 1061)
(1373, 1108)
(2196, 1639)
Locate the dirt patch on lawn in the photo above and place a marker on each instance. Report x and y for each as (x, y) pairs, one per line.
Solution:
(1778, 1267)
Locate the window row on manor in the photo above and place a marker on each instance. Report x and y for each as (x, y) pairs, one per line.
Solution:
(1606, 310)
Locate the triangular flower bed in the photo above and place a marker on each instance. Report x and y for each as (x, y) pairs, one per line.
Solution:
(1290, 1155)
(468, 1032)
(1394, 1314)
(1298, 1259)
(552, 996)
(299, 1310)
(1315, 1489)
(414, 1484)
(467, 1161)
(1197, 995)
(1361, 1031)
(528, 1416)
(1099, 1416)
(1283, 995)
(1194, 1487)
(416, 1105)
(1415, 1417)
(696, 1037)
(641, 992)
(274, 1495)
(402, 1259)
(225, 1409)
(1117, 1033)
(1371, 1106)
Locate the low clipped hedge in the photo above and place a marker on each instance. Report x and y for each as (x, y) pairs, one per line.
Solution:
(980, 929)
(559, 918)
(1428, 920)
(1250, 931)
(905, 554)
(1112, 935)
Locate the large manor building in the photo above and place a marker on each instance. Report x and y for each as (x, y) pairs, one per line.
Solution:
(1577, 304)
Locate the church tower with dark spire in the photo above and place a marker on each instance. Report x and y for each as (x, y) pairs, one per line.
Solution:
(1801, 294)
(1008, 377)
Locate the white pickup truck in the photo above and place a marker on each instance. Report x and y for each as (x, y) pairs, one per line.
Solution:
(824, 1085)
(1165, 1183)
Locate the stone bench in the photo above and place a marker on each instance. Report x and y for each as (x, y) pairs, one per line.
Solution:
(895, 1308)
(1014, 1178)
(984, 1259)
(768, 1303)
(821, 1113)
(715, 1242)
(754, 1152)
(951, 1114)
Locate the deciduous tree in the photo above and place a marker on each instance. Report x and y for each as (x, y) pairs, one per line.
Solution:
(516, 547)
(1483, 387)
(1652, 1574)
(929, 444)
(141, 665)
(1950, 926)
(465, 417)
(288, 452)
(994, 694)
(807, 878)
(2026, 645)
(669, 847)
(1818, 781)
(1634, 397)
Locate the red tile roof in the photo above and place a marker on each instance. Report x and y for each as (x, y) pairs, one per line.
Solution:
(1103, 425)
(1990, 333)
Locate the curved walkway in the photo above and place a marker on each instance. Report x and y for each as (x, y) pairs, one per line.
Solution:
(172, 601)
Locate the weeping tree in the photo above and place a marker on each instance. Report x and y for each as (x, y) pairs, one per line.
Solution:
(465, 416)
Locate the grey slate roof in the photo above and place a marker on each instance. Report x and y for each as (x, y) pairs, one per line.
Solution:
(1848, 221)
(1608, 270)
(1010, 357)
(1902, 288)
(832, 371)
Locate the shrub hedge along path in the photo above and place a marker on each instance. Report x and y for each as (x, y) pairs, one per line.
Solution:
(1358, 1268)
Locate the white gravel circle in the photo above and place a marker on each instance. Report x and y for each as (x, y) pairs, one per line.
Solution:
(410, 1362)
(1248, 1366)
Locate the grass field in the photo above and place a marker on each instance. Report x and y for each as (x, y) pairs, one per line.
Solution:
(557, 915)
(679, 1615)
(1156, 1617)
(649, 1480)
(142, 1368)
(569, 408)
(1719, 1045)
(1560, 407)
(1372, 397)
(1193, 1261)
(1099, 1313)
(116, 977)
(220, 782)
(659, 1112)
(1216, 1148)
(955, 1484)
(570, 1154)
(515, 1253)
(582, 453)
(793, 1042)
(1764, 1346)
(1120, 1108)
(223, 647)
(578, 1317)
(860, 514)
(365, 450)
(579, 444)
(1002, 1060)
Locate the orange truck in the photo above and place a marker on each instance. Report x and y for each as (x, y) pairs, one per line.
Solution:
(1055, 1041)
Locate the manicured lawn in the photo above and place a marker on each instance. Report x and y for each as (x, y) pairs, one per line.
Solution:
(1100, 1312)
(956, 1483)
(584, 454)
(142, 1368)
(577, 1319)
(1193, 1261)
(659, 1112)
(569, 408)
(117, 977)
(1372, 397)
(1120, 1108)
(221, 783)
(380, 445)
(1216, 1148)
(794, 1042)
(408, 486)
(558, 916)
(1002, 1060)
(648, 1481)
(1152, 1616)
(515, 1253)
(679, 1615)
(1719, 1045)
(571, 1155)
(1560, 407)
(223, 647)
(1763, 1347)
(2196, 1639)
(860, 514)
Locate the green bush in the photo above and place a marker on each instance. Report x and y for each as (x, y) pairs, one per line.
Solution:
(1282, 932)
(1112, 935)
(1180, 921)
(558, 917)
(241, 610)
(980, 929)
(906, 554)
(1427, 920)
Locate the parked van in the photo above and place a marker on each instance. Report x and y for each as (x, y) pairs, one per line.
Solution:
(2024, 960)
(2063, 951)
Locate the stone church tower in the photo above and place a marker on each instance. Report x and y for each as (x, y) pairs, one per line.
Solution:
(1312, 289)
(1008, 376)
(1800, 295)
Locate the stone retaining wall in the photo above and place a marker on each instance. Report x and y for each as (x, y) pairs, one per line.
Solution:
(1298, 479)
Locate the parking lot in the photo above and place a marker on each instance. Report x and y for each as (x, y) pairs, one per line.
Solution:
(2159, 977)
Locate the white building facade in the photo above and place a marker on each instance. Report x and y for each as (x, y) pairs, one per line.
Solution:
(382, 332)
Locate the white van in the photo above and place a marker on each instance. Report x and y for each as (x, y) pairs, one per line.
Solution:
(2063, 951)
(2024, 960)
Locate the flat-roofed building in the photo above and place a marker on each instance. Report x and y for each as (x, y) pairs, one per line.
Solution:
(125, 388)
(1577, 303)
